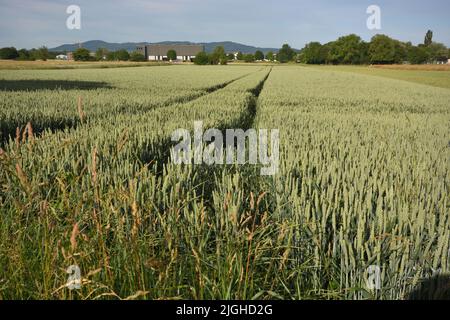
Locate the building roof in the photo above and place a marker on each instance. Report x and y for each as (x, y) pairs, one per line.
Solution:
(181, 50)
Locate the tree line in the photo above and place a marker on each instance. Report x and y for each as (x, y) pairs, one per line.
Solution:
(351, 49)
(102, 54)
(81, 54)
(219, 56)
(42, 53)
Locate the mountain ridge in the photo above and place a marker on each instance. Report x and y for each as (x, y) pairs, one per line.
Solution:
(229, 46)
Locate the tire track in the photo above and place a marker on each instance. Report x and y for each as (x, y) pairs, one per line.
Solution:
(53, 125)
(206, 177)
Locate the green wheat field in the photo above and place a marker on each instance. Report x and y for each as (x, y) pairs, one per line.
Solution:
(86, 179)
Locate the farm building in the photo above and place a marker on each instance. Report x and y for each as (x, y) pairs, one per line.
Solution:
(158, 52)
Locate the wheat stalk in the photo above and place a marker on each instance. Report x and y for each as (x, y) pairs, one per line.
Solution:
(17, 139)
(73, 237)
(23, 178)
(29, 129)
(81, 113)
(94, 166)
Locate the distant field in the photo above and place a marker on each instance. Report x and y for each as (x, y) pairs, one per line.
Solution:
(428, 75)
(422, 67)
(59, 64)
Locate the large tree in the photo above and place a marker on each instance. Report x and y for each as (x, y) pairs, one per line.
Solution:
(382, 50)
(314, 53)
(43, 53)
(249, 58)
(122, 55)
(101, 54)
(201, 58)
(172, 55)
(437, 52)
(428, 38)
(401, 51)
(82, 54)
(270, 56)
(137, 57)
(259, 55)
(24, 55)
(9, 53)
(286, 54)
(417, 55)
(218, 55)
(348, 50)
(111, 56)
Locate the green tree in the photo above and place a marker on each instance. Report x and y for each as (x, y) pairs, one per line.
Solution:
(230, 56)
(240, 56)
(382, 50)
(259, 55)
(122, 55)
(53, 54)
(9, 53)
(82, 54)
(437, 52)
(111, 56)
(24, 55)
(201, 58)
(401, 51)
(33, 54)
(270, 56)
(249, 58)
(417, 55)
(347, 50)
(428, 38)
(314, 53)
(137, 57)
(172, 55)
(43, 53)
(286, 54)
(101, 54)
(218, 55)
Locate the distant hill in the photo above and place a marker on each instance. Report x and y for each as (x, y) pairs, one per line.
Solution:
(131, 46)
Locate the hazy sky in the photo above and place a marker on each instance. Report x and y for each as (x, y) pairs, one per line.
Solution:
(266, 23)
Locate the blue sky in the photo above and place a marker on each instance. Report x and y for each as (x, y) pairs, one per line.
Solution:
(266, 23)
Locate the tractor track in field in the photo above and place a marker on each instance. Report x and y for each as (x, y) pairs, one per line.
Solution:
(205, 176)
(208, 175)
(250, 174)
(202, 93)
(245, 121)
(54, 125)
